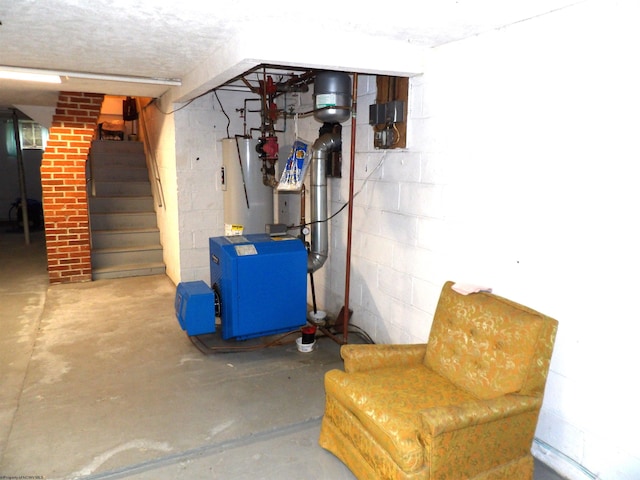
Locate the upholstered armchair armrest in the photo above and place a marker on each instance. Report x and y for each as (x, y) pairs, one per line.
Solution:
(359, 358)
(437, 420)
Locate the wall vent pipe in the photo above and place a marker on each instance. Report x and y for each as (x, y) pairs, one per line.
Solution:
(319, 249)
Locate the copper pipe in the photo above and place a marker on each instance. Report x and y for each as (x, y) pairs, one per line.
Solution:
(345, 310)
(331, 336)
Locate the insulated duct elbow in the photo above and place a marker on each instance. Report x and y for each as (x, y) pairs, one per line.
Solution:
(319, 249)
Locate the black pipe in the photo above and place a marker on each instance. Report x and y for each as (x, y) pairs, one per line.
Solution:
(313, 286)
(313, 293)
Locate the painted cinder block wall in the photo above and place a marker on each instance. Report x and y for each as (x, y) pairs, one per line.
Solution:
(64, 186)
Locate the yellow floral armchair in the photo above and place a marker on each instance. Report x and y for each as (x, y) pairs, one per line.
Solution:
(463, 406)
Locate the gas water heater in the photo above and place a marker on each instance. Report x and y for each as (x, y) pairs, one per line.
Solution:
(248, 202)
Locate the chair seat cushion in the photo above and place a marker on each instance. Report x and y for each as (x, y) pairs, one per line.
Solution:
(388, 402)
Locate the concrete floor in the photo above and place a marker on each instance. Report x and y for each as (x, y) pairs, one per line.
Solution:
(99, 382)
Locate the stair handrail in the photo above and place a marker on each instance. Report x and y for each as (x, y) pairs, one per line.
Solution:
(90, 179)
(152, 164)
(92, 182)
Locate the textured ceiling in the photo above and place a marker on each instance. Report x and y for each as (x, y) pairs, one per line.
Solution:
(169, 38)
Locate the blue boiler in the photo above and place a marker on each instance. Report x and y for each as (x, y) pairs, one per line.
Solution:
(260, 283)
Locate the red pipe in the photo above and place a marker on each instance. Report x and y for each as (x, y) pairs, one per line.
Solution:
(345, 310)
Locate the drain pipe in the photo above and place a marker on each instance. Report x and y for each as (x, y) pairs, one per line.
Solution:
(319, 249)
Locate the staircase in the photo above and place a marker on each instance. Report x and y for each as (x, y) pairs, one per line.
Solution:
(125, 239)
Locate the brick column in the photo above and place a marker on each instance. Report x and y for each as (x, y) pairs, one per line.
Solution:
(64, 186)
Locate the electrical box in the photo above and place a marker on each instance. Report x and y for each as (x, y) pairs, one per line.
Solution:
(384, 117)
(194, 306)
(261, 282)
(388, 115)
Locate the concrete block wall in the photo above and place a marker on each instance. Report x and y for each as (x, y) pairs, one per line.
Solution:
(64, 189)
(390, 289)
(527, 138)
(199, 194)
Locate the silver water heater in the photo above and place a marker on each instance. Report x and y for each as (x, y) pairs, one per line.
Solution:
(248, 203)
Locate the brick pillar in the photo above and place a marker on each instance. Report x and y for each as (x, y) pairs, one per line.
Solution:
(64, 186)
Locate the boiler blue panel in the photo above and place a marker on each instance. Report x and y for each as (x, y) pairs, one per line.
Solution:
(194, 306)
(261, 282)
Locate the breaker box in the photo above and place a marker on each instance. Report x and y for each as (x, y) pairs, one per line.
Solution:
(260, 282)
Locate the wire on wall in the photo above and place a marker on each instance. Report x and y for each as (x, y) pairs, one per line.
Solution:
(171, 112)
(376, 168)
(225, 113)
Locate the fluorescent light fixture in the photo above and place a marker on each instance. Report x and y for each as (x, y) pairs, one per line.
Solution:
(53, 76)
(121, 78)
(11, 73)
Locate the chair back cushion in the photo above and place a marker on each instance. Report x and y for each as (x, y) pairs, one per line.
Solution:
(488, 345)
